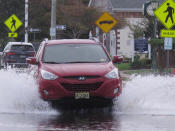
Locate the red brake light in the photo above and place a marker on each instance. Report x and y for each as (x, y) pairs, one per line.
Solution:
(10, 53)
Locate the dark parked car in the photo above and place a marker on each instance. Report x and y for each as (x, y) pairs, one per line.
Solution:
(15, 54)
(74, 69)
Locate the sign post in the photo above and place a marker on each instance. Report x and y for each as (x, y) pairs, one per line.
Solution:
(167, 46)
(166, 14)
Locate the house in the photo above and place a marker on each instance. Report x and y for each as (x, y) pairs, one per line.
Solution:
(132, 11)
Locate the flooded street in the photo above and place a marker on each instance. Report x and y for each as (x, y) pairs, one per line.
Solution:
(86, 121)
(146, 104)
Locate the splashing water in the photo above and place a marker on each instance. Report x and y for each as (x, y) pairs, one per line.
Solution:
(148, 95)
(19, 94)
(141, 95)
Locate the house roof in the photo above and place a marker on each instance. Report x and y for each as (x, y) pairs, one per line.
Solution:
(128, 4)
(121, 5)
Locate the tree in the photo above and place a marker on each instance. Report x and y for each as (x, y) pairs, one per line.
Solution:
(78, 19)
(39, 17)
(146, 28)
(139, 28)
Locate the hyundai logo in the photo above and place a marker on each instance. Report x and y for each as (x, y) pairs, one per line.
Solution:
(81, 78)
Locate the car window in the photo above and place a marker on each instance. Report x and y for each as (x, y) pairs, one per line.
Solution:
(22, 48)
(70, 53)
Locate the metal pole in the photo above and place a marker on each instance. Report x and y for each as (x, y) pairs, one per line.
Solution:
(167, 61)
(53, 21)
(34, 36)
(154, 48)
(90, 2)
(26, 20)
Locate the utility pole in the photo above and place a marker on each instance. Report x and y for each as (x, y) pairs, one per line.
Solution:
(26, 20)
(53, 21)
(154, 48)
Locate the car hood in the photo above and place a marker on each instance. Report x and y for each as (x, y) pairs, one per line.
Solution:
(79, 69)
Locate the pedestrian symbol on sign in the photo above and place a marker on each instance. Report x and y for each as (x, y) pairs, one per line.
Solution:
(13, 23)
(166, 13)
(170, 11)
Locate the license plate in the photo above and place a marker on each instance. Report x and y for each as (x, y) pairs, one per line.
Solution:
(82, 95)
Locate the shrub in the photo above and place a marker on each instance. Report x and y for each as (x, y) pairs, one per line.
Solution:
(140, 63)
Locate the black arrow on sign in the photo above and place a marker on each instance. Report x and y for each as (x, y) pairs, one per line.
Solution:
(106, 22)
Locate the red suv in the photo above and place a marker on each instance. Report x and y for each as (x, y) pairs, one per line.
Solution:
(76, 69)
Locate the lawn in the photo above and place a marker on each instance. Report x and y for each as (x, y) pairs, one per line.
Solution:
(123, 66)
(126, 67)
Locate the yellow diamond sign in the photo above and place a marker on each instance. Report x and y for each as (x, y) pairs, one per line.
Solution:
(13, 23)
(166, 13)
(106, 22)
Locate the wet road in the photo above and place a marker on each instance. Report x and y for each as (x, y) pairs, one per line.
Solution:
(83, 120)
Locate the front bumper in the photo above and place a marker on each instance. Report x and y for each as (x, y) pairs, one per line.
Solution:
(71, 103)
(55, 90)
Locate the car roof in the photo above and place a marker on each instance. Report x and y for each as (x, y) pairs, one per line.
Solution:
(19, 43)
(71, 41)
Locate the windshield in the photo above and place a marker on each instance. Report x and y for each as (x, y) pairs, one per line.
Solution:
(74, 53)
(22, 48)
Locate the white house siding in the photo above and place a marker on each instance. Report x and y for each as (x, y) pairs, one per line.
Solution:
(126, 39)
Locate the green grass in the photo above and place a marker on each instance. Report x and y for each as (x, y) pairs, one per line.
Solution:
(123, 66)
(147, 71)
(126, 67)
(140, 71)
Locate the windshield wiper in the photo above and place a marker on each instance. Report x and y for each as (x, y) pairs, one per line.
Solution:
(51, 62)
(84, 62)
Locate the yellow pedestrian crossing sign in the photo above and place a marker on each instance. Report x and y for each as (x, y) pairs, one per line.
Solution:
(106, 22)
(13, 23)
(166, 13)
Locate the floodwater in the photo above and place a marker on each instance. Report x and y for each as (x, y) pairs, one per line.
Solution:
(147, 103)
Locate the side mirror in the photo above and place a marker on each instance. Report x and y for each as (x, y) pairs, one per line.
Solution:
(31, 60)
(117, 59)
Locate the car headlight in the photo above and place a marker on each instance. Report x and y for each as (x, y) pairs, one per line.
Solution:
(48, 75)
(113, 74)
